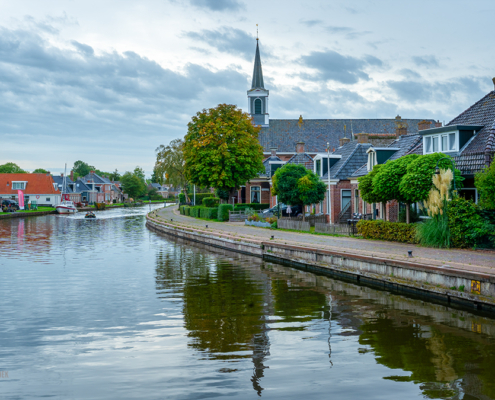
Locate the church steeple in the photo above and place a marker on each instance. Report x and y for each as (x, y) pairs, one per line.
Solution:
(258, 72)
(258, 95)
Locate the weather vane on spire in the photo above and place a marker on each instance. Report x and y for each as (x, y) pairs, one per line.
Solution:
(257, 38)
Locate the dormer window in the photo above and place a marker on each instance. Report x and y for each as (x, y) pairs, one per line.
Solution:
(379, 155)
(18, 185)
(448, 139)
(321, 163)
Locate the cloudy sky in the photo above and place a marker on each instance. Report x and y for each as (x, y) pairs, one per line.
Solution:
(109, 81)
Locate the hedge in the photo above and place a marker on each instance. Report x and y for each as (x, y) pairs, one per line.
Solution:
(223, 211)
(199, 197)
(187, 210)
(384, 230)
(211, 202)
(209, 212)
(195, 211)
(254, 206)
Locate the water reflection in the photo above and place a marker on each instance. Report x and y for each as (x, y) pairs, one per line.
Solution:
(108, 309)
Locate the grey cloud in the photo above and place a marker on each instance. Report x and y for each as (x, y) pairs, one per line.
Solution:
(349, 33)
(227, 40)
(84, 48)
(331, 65)
(312, 22)
(409, 73)
(219, 5)
(426, 61)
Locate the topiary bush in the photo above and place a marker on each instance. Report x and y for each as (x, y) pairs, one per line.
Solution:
(468, 228)
(211, 202)
(187, 211)
(209, 212)
(182, 198)
(254, 206)
(384, 230)
(195, 211)
(223, 211)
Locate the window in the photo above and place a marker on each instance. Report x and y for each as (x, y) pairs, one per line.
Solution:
(18, 185)
(48, 198)
(318, 167)
(257, 106)
(346, 198)
(255, 194)
(445, 142)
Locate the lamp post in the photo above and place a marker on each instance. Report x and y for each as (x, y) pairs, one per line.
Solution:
(437, 170)
(328, 176)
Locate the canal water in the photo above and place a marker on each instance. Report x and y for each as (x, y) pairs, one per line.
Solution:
(106, 309)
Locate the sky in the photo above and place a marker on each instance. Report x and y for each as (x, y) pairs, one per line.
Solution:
(107, 82)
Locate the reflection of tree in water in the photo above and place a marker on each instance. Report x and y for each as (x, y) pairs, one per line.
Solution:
(441, 362)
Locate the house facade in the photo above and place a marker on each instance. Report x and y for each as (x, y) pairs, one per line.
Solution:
(36, 187)
(103, 190)
(318, 144)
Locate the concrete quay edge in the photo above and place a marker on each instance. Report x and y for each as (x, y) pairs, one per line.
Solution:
(405, 277)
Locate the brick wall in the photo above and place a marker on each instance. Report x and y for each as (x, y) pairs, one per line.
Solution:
(393, 211)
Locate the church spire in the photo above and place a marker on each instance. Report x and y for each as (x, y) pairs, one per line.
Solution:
(257, 73)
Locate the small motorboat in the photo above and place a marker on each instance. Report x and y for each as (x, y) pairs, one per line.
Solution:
(90, 214)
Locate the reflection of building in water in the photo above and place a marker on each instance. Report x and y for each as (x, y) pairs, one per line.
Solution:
(231, 307)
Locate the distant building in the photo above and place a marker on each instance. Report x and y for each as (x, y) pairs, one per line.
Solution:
(36, 187)
(106, 190)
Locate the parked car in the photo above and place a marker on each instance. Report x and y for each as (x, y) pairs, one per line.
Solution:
(12, 204)
(295, 210)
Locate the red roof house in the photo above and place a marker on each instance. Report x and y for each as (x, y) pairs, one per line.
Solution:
(37, 187)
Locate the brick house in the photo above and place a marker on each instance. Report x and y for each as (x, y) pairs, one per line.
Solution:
(68, 189)
(36, 187)
(106, 190)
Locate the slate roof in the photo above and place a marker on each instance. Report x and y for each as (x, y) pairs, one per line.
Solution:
(302, 159)
(476, 155)
(80, 186)
(406, 145)
(266, 163)
(353, 156)
(96, 178)
(283, 134)
(59, 180)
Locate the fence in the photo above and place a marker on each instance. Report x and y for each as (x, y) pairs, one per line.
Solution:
(285, 223)
(237, 216)
(312, 219)
(341, 229)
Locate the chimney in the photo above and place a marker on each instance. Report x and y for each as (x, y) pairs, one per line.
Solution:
(343, 141)
(362, 138)
(438, 124)
(72, 175)
(300, 147)
(493, 80)
(91, 172)
(400, 127)
(62, 175)
(424, 125)
(273, 150)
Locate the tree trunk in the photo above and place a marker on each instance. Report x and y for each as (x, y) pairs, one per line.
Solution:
(304, 213)
(408, 215)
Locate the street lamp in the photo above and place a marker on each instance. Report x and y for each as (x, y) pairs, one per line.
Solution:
(437, 170)
(328, 176)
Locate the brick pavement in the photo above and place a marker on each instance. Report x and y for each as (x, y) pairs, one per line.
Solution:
(469, 260)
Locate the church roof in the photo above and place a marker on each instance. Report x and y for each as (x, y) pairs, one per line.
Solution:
(283, 134)
(257, 73)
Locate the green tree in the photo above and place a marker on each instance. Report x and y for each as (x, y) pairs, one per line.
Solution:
(416, 183)
(133, 185)
(485, 183)
(366, 186)
(221, 148)
(296, 185)
(40, 171)
(139, 172)
(11, 168)
(81, 168)
(386, 182)
(114, 176)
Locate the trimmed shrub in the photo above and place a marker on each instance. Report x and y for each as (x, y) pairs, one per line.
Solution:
(187, 211)
(468, 228)
(384, 230)
(195, 211)
(254, 206)
(209, 212)
(223, 211)
(182, 198)
(211, 202)
(199, 197)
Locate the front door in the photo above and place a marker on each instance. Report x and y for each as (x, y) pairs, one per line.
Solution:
(346, 198)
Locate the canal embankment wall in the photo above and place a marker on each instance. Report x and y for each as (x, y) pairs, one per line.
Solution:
(438, 283)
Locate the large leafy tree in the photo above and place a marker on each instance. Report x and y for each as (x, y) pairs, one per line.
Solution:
(170, 166)
(221, 148)
(416, 184)
(386, 182)
(40, 171)
(296, 185)
(485, 183)
(133, 184)
(11, 168)
(81, 168)
(366, 186)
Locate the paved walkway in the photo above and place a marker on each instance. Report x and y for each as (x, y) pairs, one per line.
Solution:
(479, 261)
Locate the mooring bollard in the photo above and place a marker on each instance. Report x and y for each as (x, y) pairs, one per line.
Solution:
(409, 253)
(207, 226)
